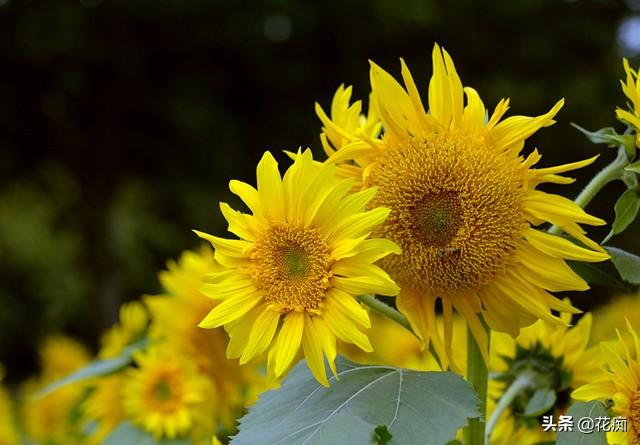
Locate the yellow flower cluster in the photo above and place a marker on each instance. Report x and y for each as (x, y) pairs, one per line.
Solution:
(429, 202)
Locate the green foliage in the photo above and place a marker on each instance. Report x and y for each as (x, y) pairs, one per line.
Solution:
(127, 433)
(626, 209)
(635, 167)
(580, 410)
(626, 263)
(413, 407)
(610, 137)
(97, 368)
(542, 401)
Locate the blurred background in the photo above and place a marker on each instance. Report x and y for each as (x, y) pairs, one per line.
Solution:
(122, 122)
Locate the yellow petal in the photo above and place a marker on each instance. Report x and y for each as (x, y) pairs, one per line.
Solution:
(312, 347)
(231, 309)
(288, 341)
(262, 332)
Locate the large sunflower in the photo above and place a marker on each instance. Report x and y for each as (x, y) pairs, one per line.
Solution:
(464, 207)
(303, 257)
(620, 383)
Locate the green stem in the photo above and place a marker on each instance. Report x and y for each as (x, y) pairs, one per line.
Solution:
(387, 311)
(611, 172)
(523, 382)
(477, 375)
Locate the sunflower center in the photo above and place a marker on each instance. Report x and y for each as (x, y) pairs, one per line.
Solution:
(437, 218)
(292, 266)
(163, 391)
(455, 211)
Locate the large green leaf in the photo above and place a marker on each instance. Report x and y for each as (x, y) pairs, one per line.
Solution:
(416, 407)
(128, 434)
(627, 264)
(626, 209)
(96, 368)
(578, 412)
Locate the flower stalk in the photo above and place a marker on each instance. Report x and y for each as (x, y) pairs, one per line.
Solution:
(477, 375)
(522, 383)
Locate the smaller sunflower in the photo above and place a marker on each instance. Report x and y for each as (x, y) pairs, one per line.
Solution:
(175, 315)
(47, 419)
(613, 314)
(163, 395)
(104, 407)
(560, 357)
(303, 258)
(631, 89)
(619, 383)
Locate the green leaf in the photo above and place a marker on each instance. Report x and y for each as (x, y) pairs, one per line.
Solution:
(635, 167)
(127, 433)
(541, 401)
(627, 264)
(603, 273)
(96, 368)
(626, 209)
(416, 407)
(609, 136)
(583, 410)
(382, 435)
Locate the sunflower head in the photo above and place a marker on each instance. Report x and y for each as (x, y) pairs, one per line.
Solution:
(175, 315)
(556, 358)
(465, 206)
(631, 89)
(163, 394)
(618, 384)
(303, 256)
(59, 356)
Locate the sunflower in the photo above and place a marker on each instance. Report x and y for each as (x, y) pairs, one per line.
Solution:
(303, 257)
(104, 407)
(560, 354)
(464, 208)
(175, 316)
(132, 326)
(8, 430)
(619, 383)
(613, 314)
(48, 419)
(631, 89)
(163, 395)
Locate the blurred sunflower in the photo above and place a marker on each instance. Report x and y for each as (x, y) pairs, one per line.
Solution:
(631, 89)
(103, 407)
(8, 430)
(131, 327)
(303, 257)
(552, 356)
(175, 316)
(163, 394)
(619, 382)
(49, 419)
(612, 316)
(464, 207)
